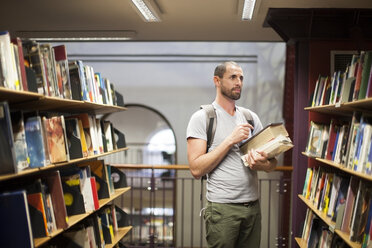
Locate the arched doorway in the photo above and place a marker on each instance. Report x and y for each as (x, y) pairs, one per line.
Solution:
(151, 202)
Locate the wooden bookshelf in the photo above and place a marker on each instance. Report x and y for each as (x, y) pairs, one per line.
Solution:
(118, 236)
(301, 243)
(31, 171)
(341, 167)
(344, 109)
(331, 224)
(33, 101)
(74, 219)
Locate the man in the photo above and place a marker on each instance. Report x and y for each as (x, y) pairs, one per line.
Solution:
(232, 215)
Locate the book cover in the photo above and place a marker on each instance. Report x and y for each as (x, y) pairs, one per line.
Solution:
(107, 131)
(341, 197)
(360, 212)
(93, 184)
(21, 63)
(7, 155)
(47, 54)
(99, 171)
(268, 133)
(365, 75)
(86, 125)
(358, 77)
(20, 144)
(34, 59)
(54, 183)
(75, 81)
(55, 139)
(74, 199)
(9, 77)
(320, 188)
(86, 188)
(349, 205)
(73, 138)
(35, 142)
(37, 215)
(16, 230)
(60, 55)
(333, 130)
(314, 145)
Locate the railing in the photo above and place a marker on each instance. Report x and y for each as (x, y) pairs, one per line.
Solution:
(164, 208)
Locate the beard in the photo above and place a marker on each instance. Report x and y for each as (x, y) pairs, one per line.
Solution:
(230, 93)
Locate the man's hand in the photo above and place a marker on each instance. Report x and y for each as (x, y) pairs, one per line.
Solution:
(259, 161)
(240, 133)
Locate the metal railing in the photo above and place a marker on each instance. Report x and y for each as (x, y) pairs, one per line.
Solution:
(165, 201)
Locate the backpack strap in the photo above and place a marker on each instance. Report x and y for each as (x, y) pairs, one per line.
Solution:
(248, 116)
(211, 123)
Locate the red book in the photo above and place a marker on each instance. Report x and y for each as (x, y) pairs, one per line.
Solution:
(331, 140)
(94, 192)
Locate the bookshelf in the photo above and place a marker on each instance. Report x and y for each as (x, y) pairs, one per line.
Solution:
(338, 114)
(30, 101)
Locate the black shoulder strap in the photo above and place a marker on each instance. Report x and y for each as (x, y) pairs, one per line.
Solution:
(247, 115)
(211, 123)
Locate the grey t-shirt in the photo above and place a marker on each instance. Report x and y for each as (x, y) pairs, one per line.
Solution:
(230, 181)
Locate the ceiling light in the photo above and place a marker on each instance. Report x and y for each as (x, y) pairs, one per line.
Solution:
(77, 35)
(148, 10)
(248, 7)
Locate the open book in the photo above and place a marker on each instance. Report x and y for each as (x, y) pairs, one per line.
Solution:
(273, 140)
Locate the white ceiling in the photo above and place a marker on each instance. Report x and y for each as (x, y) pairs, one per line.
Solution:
(182, 20)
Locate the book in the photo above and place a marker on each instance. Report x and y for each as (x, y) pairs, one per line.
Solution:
(73, 138)
(349, 204)
(315, 140)
(16, 228)
(74, 199)
(20, 144)
(62, 68)
(21, 63)
(9, 76)
(360, 212)
(55, 139)
(53, 180)
(7, 155)
(37, 64)
(274, 138)
(365, 75)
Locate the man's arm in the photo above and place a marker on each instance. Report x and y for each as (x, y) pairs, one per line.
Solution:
(202, 162)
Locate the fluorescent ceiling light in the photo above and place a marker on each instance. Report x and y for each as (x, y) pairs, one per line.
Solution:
(248, 8)
(77, 35)
(147, 9)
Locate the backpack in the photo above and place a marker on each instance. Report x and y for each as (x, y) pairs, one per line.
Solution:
(212, 121)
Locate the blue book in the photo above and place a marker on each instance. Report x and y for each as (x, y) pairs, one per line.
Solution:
(7, 155)
(20, 145)
(35, 142)
(15, 220)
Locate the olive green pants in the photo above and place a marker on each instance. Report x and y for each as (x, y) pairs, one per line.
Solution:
(233, 225)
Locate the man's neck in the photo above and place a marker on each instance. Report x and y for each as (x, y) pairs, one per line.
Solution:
(227, 104)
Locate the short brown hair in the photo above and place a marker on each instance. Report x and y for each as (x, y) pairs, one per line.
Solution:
(221, 68)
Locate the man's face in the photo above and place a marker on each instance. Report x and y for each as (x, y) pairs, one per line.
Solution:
(232, 82)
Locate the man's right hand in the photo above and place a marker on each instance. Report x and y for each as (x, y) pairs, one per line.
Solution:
(240, 133)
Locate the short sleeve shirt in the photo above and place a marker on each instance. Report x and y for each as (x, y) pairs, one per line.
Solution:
(230, 181)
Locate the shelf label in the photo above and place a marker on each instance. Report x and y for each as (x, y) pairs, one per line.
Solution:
(332, 228)
(338, 104)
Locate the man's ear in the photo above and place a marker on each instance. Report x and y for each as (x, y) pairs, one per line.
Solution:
(216, 80)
